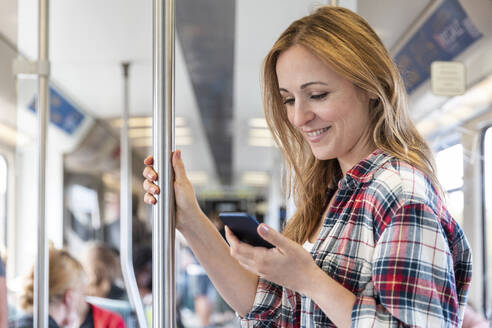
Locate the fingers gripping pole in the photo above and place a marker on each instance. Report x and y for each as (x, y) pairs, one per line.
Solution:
(126, 211)
(163, 225)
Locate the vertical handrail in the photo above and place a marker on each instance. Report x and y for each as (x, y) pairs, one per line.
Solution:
(41, 271)
(163, 224)
(126, 210)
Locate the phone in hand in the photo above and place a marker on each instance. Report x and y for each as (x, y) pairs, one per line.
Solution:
(244, 226)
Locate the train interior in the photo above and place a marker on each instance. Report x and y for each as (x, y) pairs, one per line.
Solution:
(228, 150)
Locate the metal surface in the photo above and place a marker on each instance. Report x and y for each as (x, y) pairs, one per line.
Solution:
(41, 271)
(163, 224)
(334, 3)
(126, 211)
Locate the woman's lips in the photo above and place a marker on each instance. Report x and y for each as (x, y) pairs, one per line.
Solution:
(316, 135)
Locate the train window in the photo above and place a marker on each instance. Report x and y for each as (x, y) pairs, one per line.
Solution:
(487, 203)
(449, 162)
(3, 200)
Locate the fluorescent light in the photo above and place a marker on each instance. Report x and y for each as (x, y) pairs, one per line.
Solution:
(142, 142)
(260, 133)
(11, 136)
(181, 132)
(184, 141)
(140, 132)
(147, 132)
(197, 177)
(261, 142)
(179, 121)
(255, 178)
(147, 142)
(144, 121)
(258, 122)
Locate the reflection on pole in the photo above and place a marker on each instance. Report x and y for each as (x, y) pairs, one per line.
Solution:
(163, 224)
(41, 272)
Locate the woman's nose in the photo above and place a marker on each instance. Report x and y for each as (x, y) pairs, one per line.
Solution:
(301, 114)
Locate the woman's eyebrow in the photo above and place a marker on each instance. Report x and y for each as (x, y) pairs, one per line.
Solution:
(305, 85)
(311, 83)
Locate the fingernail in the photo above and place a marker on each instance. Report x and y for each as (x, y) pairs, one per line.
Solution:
(264, 228)
(150, 176)
(153, 190)
(178, 154)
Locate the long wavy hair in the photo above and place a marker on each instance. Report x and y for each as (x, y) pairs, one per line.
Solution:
(347, 44)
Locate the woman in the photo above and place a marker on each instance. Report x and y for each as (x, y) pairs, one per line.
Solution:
(103, 269)
(67, 305)
(66, 291)
(383, 250)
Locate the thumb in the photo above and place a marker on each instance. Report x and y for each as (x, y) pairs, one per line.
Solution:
(272, 236)
(179, 169)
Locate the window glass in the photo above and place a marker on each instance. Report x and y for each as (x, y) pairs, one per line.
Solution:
(3, 200)
(449, 162)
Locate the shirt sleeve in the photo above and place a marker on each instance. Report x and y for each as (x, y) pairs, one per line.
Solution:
(274, 307)
(413, 282)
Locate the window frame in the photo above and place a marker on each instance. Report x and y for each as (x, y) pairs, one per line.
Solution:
(4, 220)
(485, 289)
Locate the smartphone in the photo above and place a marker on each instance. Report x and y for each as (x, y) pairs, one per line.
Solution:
(244, 227)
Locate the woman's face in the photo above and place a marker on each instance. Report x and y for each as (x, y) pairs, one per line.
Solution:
(330, 112)
(74, 301)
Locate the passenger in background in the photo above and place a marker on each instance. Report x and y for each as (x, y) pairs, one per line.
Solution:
(103, 269)
(91, 316)
(67, 305)
(142, 265)
(4, 312)
(67, 282)
(371, 243)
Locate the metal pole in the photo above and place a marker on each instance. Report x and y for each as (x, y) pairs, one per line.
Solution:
(41, 272)
(126, 211)
(334, 3)
(163, 231)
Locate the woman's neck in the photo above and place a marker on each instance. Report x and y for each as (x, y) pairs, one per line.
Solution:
(82, 313)
(58, 313)
(353, 157)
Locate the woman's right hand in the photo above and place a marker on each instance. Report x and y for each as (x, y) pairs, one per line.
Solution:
(186, 203)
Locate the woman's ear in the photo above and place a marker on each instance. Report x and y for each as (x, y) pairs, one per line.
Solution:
(68, 298)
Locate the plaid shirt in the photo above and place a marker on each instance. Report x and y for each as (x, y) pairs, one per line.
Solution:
(389, 240)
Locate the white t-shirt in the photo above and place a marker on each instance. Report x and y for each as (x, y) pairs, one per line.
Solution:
(308, 246)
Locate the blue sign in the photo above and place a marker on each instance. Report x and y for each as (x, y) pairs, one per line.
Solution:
(443, 36)
(62, 113)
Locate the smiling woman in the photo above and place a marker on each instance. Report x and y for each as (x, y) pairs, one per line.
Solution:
(382, 248)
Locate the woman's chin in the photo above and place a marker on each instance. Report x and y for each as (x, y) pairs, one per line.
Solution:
(322, 155)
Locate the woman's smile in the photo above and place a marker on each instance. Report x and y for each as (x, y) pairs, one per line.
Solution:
(314, 136)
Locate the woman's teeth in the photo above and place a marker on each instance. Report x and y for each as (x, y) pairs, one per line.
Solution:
(317, 132)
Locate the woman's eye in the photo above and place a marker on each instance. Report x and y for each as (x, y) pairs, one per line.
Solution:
(319, 96)
(288, 101)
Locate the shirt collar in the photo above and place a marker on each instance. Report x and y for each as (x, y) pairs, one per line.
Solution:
(363, 172)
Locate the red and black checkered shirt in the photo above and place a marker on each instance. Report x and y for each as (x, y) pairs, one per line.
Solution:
(389, 239)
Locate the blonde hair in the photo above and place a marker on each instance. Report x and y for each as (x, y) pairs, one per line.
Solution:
(346, 43)
(102, 268)
(65, 272)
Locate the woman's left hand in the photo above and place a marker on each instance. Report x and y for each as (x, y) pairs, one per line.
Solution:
(287, 264)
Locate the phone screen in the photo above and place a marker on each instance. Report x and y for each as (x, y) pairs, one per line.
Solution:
(244, 227)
